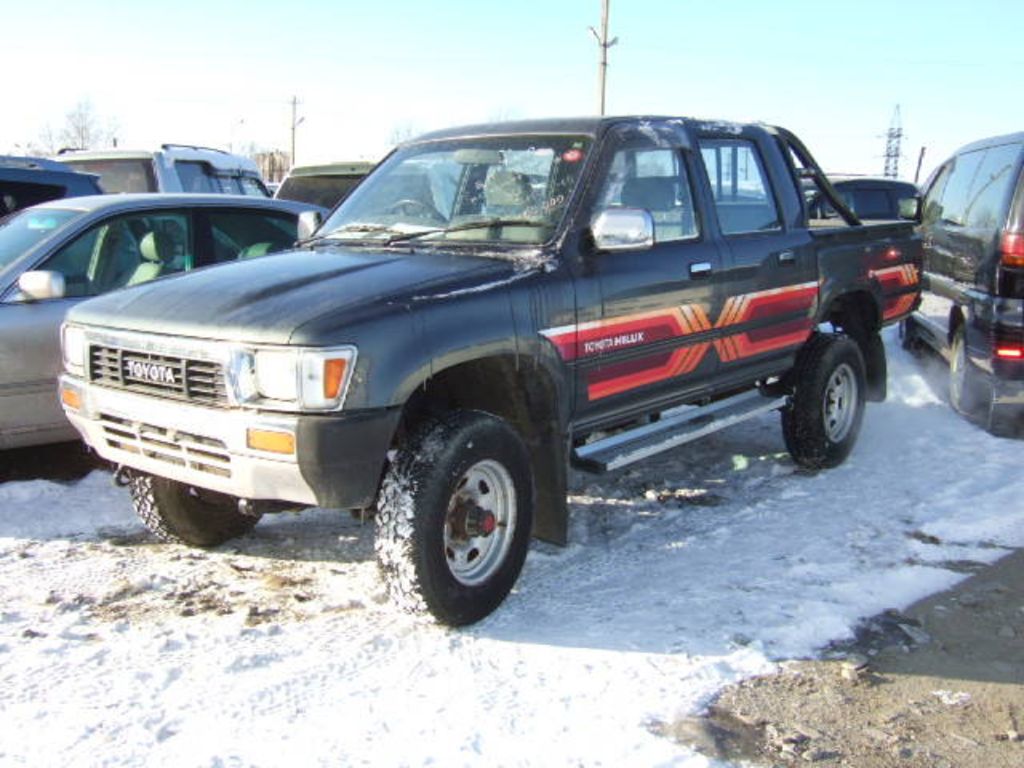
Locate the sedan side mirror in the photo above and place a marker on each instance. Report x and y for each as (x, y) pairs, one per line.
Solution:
(623, 229)
(910, 208)
(309, 222)
(41, 284)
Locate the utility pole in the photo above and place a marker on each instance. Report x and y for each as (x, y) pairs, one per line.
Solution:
(295, 124)
(892, 146)
(920, 159)
(604, 44)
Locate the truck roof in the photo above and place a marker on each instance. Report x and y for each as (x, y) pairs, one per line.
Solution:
(590, 126)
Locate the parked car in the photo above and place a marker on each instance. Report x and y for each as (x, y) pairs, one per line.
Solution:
(973, 307)
(171, 168)
(26, 181)
(870, 198)
(323, 185)
(491, 304)
(54, 255)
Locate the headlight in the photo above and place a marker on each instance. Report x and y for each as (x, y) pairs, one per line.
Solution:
(74, 349)
(303, 379)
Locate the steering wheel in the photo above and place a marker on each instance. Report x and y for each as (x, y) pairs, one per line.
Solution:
(415, 207)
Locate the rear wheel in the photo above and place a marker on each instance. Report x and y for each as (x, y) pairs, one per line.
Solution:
(965, 391)
(821, 424)
(454, 517)
(183, 514)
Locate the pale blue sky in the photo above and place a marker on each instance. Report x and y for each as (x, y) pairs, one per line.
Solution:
(222, 73)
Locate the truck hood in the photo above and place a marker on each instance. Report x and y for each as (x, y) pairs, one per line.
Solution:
(294, 297)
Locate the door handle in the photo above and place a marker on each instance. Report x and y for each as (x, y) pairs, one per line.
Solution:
(700, 269)
(787, 258)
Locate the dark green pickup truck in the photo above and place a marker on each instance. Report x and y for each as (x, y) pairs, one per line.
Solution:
(491, 305)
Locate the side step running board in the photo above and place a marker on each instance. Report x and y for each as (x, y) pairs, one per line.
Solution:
(676, 427)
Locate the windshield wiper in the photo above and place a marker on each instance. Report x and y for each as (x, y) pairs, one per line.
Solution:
(332, 236)
(468, 225)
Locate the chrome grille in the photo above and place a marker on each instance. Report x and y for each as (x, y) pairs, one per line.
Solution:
(198, 381)
(184, 449)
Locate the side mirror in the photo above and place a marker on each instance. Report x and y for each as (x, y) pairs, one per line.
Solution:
(38, 285)
(910, 208)
(623, 229)
(309, 222)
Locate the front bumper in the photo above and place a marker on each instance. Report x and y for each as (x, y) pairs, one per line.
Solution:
(337, 462)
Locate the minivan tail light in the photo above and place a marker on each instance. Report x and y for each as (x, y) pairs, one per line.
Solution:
(1011, 249)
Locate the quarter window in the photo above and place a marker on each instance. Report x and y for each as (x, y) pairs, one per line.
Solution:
(655, 180)
(739, 186)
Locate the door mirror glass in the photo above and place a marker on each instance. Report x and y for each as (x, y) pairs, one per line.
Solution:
(309, 222)
(910, 208)
(42, 284)
(623, 229)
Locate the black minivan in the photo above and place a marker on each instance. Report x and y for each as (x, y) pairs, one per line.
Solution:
(972, 309)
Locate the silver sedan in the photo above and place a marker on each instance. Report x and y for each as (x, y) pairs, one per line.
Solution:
(59, 253)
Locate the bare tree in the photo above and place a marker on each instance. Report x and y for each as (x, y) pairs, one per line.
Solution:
(402, 132)
(82, 129)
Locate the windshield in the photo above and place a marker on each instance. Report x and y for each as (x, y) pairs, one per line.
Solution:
(20, 231)
(510, 189)
(127, 175)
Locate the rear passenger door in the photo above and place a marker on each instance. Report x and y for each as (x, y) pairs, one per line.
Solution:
(769, 278)
(232, 233)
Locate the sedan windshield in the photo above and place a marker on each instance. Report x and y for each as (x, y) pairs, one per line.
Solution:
(21, 230)
(496, 189)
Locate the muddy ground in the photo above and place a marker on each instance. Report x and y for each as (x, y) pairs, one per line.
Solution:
(939, 684)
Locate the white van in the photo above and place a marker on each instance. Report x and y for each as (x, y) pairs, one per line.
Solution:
(171, 168)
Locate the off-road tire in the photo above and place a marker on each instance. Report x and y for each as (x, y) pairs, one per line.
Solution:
(420, 490)
(181, 514)
(821, 422)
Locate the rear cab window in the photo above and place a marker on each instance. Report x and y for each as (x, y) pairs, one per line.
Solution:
(740, 189)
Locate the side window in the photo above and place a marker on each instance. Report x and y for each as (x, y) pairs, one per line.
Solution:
(252, 187)
(739, 185)
(247, 234)
(955, 197)
(124, 251)
(986, 201)
(931, 209)
(656, 180)
(195, 177)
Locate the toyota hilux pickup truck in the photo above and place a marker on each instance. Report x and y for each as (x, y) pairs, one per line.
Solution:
(490, 307)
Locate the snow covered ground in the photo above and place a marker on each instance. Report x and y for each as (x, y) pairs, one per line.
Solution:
(684, 574)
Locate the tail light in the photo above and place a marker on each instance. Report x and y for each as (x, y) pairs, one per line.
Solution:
(1011, 249)
(1008, 343)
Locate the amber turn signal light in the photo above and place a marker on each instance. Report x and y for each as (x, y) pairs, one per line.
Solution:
(270, 441)
(70, 398)
(334, 375)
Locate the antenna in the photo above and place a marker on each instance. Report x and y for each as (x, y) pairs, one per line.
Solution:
(892, 146)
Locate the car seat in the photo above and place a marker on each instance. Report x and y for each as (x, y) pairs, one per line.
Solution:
(507, 192)
(156, 249)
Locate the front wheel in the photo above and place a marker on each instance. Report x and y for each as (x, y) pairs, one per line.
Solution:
(821, 423)
(454, 517)
(183, 514)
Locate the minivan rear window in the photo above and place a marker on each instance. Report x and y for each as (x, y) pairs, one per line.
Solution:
(119, 175)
